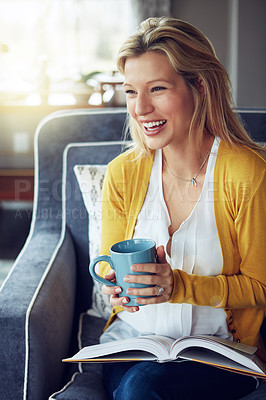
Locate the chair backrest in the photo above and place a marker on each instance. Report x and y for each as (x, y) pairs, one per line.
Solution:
(254, 122)
(53, 134)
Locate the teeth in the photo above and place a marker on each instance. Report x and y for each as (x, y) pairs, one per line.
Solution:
(154, 124)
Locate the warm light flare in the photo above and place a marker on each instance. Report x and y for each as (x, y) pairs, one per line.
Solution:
(46, 42)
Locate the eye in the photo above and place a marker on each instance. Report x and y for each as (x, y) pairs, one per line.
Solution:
(158, 89)
(130, 91)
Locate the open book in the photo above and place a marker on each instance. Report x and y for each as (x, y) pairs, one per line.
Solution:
(210, 350)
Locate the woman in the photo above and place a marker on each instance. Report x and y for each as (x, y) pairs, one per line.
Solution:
(193, 181)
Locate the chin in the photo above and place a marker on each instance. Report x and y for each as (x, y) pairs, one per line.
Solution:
(154, 143)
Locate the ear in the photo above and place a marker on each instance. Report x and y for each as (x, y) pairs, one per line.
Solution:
(201, 87)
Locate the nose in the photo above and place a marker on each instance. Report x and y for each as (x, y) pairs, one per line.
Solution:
(143, 105)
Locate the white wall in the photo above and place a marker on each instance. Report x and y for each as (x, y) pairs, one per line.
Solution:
(252, 53)
(237, 29)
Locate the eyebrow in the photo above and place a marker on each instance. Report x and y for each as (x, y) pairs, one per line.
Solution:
(150, 82)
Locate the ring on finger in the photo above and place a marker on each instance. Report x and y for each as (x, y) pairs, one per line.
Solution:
(160, 290)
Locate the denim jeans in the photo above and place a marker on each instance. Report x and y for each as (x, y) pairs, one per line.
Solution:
(185, 380)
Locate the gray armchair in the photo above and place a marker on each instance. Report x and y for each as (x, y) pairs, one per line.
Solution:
(43, 303)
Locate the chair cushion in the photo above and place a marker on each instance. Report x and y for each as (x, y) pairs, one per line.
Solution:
(83, 386)
(90, 329)
(259, 394)
(90, 179)
(87, 383)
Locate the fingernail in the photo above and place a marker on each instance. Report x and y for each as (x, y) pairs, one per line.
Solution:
(125, 301)
(129, 291)
(118, 290)
(135, 267)
(135, 309)
(127, 279)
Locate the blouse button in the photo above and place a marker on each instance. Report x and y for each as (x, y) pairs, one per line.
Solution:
(238, 340)
(233, 331)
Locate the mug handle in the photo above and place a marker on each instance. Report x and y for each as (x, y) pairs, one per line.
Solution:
(98, 277)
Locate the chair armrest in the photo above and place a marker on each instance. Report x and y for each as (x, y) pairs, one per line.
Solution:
(36, 317)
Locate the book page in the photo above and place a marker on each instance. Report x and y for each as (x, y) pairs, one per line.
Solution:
(246, 359)
(158, 346)
(125, 356)
(217, 360)
(210, 339)
(244, 348)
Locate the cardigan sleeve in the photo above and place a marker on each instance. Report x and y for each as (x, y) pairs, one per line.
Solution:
(240, 211)
(114, 218)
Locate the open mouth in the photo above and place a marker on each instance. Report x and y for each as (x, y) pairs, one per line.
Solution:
(153, 125)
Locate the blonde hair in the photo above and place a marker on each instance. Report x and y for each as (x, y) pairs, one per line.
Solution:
(193, 57)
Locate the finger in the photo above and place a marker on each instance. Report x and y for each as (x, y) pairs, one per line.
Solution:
(152, 279)
(160, 279)
(122, 301)
(150, 267)
(111, 290)
(110, 276)
(115, 300)
(158, 295)
(131, 309)
(162, 293)
(149, 291)
(150, 300)
(161, 255)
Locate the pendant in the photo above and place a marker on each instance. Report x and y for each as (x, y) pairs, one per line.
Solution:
(194, 182)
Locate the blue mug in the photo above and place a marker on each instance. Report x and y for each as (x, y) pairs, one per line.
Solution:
(122, 256)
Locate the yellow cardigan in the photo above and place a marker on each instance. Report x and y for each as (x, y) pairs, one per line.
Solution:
(240, 210)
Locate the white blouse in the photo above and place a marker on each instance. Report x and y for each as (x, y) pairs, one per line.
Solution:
(195, 249)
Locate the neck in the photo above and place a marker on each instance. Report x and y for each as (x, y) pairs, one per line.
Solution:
(185, 161)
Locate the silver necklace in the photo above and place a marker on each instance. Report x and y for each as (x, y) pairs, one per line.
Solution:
(193, 180)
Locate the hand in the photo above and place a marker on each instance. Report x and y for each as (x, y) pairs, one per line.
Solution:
(113, 292)
(163, 278)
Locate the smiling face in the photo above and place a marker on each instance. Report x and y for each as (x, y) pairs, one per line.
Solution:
(158, 99)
